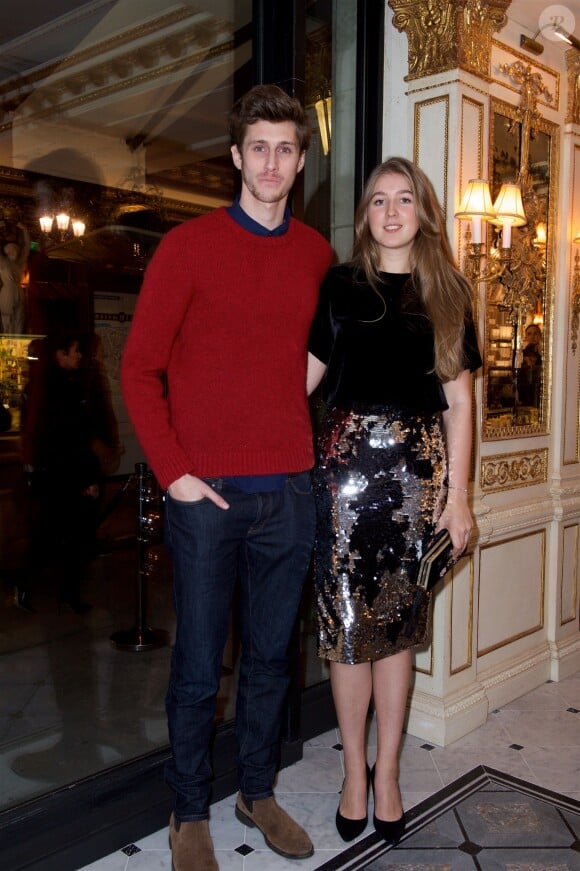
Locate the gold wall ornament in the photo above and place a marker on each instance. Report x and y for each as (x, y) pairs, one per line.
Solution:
(318, 90)
(446, 34)
(573, 69)
(575, 301)
(508, 471)
(479, 21)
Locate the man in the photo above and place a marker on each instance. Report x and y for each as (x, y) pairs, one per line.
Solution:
(214, 376)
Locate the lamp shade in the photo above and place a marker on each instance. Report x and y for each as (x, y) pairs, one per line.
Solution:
(541, 233)
(509, 211)
(476, 202)
(45, 223)
(508, 206)
(62, 221)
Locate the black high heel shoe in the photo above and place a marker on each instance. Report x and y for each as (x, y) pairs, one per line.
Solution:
(390, 831)
(350, 829)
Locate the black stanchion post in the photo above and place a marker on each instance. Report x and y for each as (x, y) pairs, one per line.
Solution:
(142, 637)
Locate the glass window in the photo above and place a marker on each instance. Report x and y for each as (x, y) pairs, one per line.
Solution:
(113, 128)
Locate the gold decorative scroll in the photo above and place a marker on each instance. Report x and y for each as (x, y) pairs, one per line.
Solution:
(520, 469)
(445, 34)
(318, 64)
(573, 67)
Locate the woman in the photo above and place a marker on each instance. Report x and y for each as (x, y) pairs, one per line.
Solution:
(394, 339)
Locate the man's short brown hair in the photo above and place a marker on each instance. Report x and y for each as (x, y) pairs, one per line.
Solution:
(268, 103)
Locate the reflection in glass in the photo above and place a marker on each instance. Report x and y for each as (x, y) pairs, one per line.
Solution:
(515, 394)
(128, 134)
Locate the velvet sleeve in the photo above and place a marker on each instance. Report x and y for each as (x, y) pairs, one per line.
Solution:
(471, 353)
(321, 338)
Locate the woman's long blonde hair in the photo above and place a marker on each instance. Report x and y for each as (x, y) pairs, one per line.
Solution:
(445, 293)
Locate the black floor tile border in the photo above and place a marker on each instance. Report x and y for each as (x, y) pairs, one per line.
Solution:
(372, 847)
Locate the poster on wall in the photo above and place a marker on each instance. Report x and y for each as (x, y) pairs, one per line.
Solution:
(113, 316)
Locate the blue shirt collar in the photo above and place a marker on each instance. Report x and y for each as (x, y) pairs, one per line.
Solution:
(243, 219)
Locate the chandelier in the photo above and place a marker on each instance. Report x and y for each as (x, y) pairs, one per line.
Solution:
(57, 215)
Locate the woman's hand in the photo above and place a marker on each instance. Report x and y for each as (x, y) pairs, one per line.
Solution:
(457, 518)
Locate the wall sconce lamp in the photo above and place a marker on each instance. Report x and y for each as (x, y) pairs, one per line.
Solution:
(575, 315)
(64, 224)
(323, 108)
(507, 212)
(531, 44)
(566, 37)
(476, 206)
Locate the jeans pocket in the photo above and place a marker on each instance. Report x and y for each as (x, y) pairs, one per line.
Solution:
(301, 484)
(214, 483)
(186, 503)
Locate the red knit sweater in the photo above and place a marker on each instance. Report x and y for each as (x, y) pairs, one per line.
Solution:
(225, 315)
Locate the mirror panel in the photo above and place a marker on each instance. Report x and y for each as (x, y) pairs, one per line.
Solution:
(517, 342)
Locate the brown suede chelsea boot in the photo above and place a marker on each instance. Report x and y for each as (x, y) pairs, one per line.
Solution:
(191, 846)
(281, 833)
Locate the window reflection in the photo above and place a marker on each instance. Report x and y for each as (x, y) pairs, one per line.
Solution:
(115, 114)
(119, 119)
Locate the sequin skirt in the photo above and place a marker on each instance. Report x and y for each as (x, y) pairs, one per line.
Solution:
(379, 486)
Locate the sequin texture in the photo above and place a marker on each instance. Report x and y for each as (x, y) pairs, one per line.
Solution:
(379, 486)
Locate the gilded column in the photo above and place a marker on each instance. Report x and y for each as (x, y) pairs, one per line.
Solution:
(446, 34)
(573, 68)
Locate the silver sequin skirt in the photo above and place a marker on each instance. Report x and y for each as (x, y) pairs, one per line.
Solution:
(379, 486)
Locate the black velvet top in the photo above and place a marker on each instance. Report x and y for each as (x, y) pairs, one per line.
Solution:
(379, 349)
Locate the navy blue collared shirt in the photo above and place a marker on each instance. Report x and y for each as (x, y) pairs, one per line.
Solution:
(257, 483)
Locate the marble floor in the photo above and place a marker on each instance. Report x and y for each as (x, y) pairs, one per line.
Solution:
(535, 739)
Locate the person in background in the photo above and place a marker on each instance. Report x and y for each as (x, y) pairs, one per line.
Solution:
(214, 375)
(65, 473)
(394, 341)
(530, 373)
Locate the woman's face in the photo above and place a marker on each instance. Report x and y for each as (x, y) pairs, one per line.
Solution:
(533, 335)
(392, 217)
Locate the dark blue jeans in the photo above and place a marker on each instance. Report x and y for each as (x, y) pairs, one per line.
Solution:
(264, 540)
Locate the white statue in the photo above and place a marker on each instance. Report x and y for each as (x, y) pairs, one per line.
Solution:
(12, 265)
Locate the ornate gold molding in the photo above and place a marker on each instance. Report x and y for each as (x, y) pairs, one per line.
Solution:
(573, 69)
(508, 471)
(318, 64)
(115, 64)
(444, 34)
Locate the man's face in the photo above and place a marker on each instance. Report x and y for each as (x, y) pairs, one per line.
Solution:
(70, 359)
(269, 160)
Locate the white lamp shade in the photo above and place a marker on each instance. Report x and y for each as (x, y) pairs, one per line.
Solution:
(78, 228)
(541, 233)
(476, 202)
(62, 221)
(508, 206)
(45, 222)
